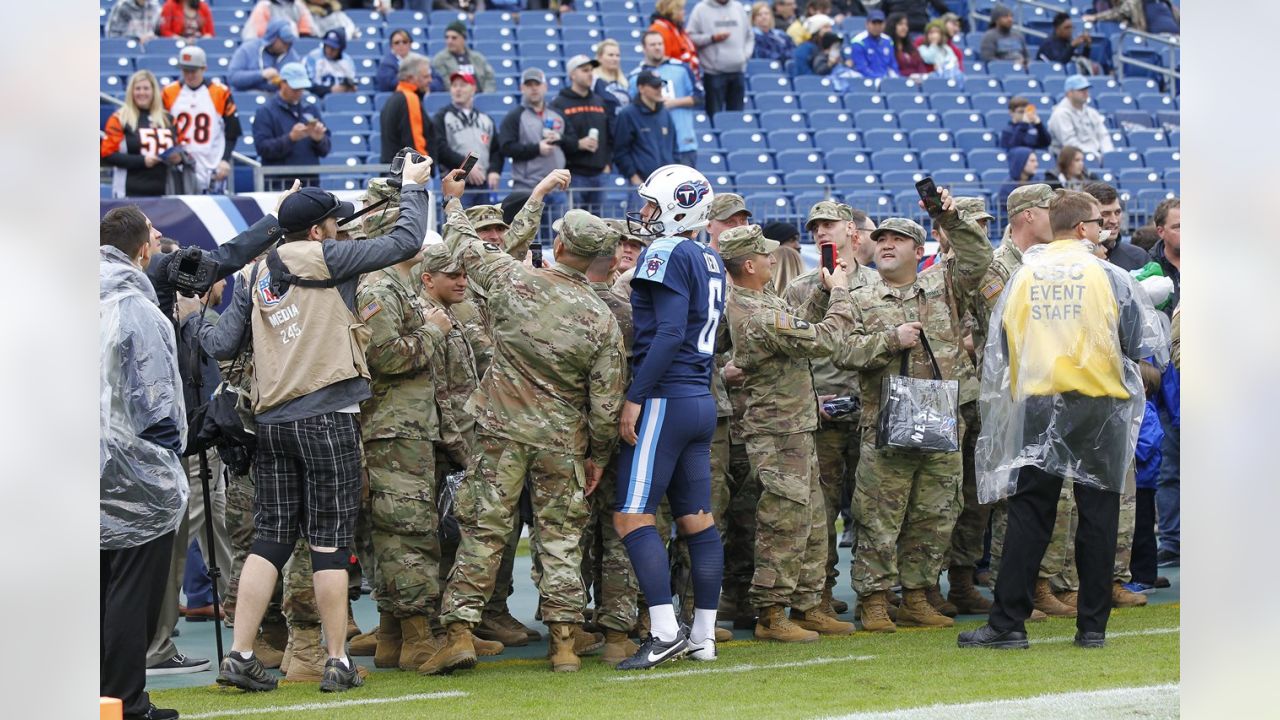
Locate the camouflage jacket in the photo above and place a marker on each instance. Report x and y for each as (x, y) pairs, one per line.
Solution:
(772, 346)
(621, 309)
(402, 349)
(806, 291)
(456, 379)
(1006, 260)
(934, 299)
(474, 327)
(557, 376)
(475, 316)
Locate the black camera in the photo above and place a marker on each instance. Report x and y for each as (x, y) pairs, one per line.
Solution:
(192, 271)
(397, 165)
(842, 406)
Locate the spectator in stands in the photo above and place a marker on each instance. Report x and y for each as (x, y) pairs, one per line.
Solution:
(329, 15)
(458, 129)
(916, 11)
(828, 62)
(810, 48)
(1121, 254)
(1001, 41)
(1061, 48)
(784, 18)
(265, 12)
(771, 43)
(910, 64)
(1070, 173)
(256, 63)
(646, 138)
(330, 68)
(937, 49)
(286, 129)
(1158, 17)
(457, 57)
(134, 18)
(668, 21)
(1168, 253)
(1073, 122)
(611, 83)
(403, 121)
(585, 112)
(721, 31)
(1025, 128)
(681, 92)
(955, 29)
(400, 44)
(189, 19)
(872, 51)
(1023, 166)
(534, 136)
(137, 138)
(205, 120)
(800, 30)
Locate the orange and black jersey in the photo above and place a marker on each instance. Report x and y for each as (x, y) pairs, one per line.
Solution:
(126, 148)
(195, 120)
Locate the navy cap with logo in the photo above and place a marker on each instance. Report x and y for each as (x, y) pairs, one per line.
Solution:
(649, 77)
(311, 206)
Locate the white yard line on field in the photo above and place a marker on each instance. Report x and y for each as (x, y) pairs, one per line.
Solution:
(327, 705)
(747, 667)
(1152, 702)
(1110, 635)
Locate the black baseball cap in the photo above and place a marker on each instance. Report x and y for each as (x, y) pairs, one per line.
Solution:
(649, 77)
(781, 231)
(311, 206)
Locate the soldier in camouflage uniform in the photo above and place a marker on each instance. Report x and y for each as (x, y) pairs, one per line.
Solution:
(837, 439)
(548, 407)
(772, 347)
(905, 503)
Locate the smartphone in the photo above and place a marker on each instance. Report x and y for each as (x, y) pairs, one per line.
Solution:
(535, 253)
(1030, 109)
(468, 164)
(828, 250)
(931, 197)
(594, 133)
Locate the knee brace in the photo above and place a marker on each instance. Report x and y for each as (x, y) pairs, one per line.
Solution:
(273, 552)
(339, 559)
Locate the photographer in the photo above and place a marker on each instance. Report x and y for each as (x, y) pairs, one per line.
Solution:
(309, 378)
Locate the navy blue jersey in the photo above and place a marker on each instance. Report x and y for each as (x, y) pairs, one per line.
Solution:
(673, 356)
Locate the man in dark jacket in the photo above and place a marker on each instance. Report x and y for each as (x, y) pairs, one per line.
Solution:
(287, 130)
(404, 121)
(586, 112)
(917, 11)
(1060, 47)
(1025, 128)
(458, 128)
(646, 138)
(1121, 254)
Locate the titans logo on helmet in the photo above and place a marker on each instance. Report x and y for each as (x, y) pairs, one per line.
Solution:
(687, 194)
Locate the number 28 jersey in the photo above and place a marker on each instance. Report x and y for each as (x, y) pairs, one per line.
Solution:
(695, 271)
(199, 122)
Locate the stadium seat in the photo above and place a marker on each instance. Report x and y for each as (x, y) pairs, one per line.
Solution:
(768, 82)
(942, 159)
(886, 139)
(1014, 85)
(1169, 120)
(1145, 201)
(733, 120)
(1156, 102)
(158, 64)
(982, 160)
(930, 139)
(1144, 140)
(1173, 179)
(1005, 68)
(829, 119)
(577, 21)
(768, 204)
(496, 105)
(1122, 159)
(803, 201)
(766, 101)
(1107, 103)
(118, 64)
(761, 66)
(773, 120)
(744, 139)
(837, 140)
(346, 122)
(758, 182)
(960, 120)
(976, 139)
(1139, 86)
(896, 180)
(496, 47)
(981, 84)
(812, 101)
(806, 83)
(899, 102)
(709, 139)
(1164, 160)
(994, 178)
(985, 102)
(894, 85)
(1128, 119)
(919, 120)
(701, 121)
(748, 161)
(790, 140)
(584, 44)
(438, 19)
(799, 159)
(350, 142)
(1175, 138)
(997, 120)
(1136, 178)
(954, 177)
(711, 161)
(435, 102)
(935, 86)
(876, 203)
(344, 158)
(534, 19)
(1043, 71)
(943, 103)
(721, 181)
(342, 182)
(849, 180)
(885, 160)
(848, 160)
(348, 103)
(375, 147)
(867, 120)
(807, 180)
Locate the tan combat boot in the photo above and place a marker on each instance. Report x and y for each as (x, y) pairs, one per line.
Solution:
(307, 654)
(1122, 598)
(939, 603)
(352, 628)
(821, 621)
(389, 638)
(560, 650)
(721, 635)
(1068, 597)
(456, 653)
(586, 643)
(617, 647)
(270, 644)
(487, 648)
(490, 628)
(366, 644)
(1037, 616)
(416, 644)
(642, 624)
(917, 612)
(773, 624)
(964, 594)
(507, 620)
(873, 611)
(1044, 601)
(830, 605)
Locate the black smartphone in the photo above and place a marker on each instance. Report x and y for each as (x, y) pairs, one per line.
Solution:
(468, 164)
(829, 258)
(931, 197)
(535, 253)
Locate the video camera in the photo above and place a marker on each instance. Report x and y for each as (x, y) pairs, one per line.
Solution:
(397, 165)
(192, 271)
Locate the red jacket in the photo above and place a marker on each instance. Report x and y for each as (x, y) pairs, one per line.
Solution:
(173, 21)
(678, 43)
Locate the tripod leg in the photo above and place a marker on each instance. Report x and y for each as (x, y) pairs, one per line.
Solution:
(206, 474)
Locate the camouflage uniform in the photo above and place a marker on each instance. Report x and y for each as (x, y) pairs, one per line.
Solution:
(905, 503)
(550, 400)
(773, 347)
(399, 424)
(740, 517)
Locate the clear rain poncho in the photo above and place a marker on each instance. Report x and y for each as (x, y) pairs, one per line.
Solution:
(1061, 389)
(144, 487)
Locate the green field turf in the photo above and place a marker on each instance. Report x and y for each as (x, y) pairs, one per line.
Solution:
(751, 680)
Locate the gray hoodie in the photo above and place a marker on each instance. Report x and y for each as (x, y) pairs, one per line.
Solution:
(731, 54)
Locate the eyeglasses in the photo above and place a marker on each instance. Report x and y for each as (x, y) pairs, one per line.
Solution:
(1095, 220)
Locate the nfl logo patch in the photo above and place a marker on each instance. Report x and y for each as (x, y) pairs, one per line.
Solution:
(264, 289)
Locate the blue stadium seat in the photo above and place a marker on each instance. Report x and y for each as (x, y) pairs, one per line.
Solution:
(758, 182)
(438, 19)
(496, 105)
(803, 201)
(886, 139)
(919, 120)
(584, 42)
(849, 180)
(959, 120)
(813, 101)
(1139, 86)
(1173, 179)
(709, 139)
(867, 120)
(744, 139)
(611, 17)
(1043, 71)
(1175, 139)
(1121, 159)
(578, 21)
(744, 161)
(848, 159)
(535, 19)
(986, 102)
(908, 203)
(772, 120)
(902, 159)
(435, 102)
(982, 160)
(342, 182)
(998, 119)
(993, 178)
(837, 140)
(701, 121)
(112, 84)
(790, 139)
(346, 122)
(407, 18)
(1168, 119)
(1014, 85)
(350, 142)
(1145, 202)
(118, 64)
(942, 159)
(799, 159)
(496, 47)
(930, 139)
(118, 46)
(768, 82)
(761, 66)
(766, 101)
(1107, 103)
(766, 205)
(806, 83)
(953, 177)
(711, 161)
(343, 158)
(898, 102)
(1128, 119)
(375, 147)
(896, 180)
(935, 86)
(1164, 160)
(732, 120)
(943, 103)
(491, 20)
(876, 203)
(895, 85)
(981, 84)
(825, 119)
(158, 64)
(869, 101)
(1144, 140)
(347, 103)
(1134, 178)
(1156, 102)
(1005, 68)
(537, 35)
(807, 180)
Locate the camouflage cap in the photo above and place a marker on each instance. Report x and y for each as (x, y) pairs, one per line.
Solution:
(825, 210)
(745, 240)
(1029, 196)
(973, 208)
(726, 205)
(380, 221)
(483, 216)
(846, 212)
(620, 227)
(585, 234)
(437, 259)
(901, 226)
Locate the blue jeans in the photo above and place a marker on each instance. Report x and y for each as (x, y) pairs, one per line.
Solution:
(1169, 488)
(195, 579)
(724, 91)
(588, 193)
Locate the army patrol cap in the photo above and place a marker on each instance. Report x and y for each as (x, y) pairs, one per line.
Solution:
(1029, 196)
(380, 221)
(726, 205)
(745, 240)
(825, 210)
(585, 234)
(973, 208)
(901, 226)
(437, 259)
(846, 212)
(620, 227)
(611, 240)
(483, 216)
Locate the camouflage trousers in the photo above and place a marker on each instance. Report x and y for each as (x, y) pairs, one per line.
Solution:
(502, 589)
(486, 506)
(405, 525)
(606, 567)
(791, 544)
(904, 509)
(971, 525)
(740, 523)
(839, 446)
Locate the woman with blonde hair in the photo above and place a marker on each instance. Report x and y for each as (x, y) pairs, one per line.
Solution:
(771, 43)
(668, 21)
(138, 141)
(611, 83)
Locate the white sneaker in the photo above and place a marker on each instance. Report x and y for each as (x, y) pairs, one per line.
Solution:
(704, 651)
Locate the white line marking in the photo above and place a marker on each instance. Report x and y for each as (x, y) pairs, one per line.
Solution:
(1152, 701)
(749, 667)
(1110, 635)
(327, 705)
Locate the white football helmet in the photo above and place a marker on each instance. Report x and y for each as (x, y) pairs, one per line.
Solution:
(683, 196)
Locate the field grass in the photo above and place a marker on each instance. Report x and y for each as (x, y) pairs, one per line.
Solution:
(751, 680)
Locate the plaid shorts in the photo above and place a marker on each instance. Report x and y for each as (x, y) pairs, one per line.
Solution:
(307, 480)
